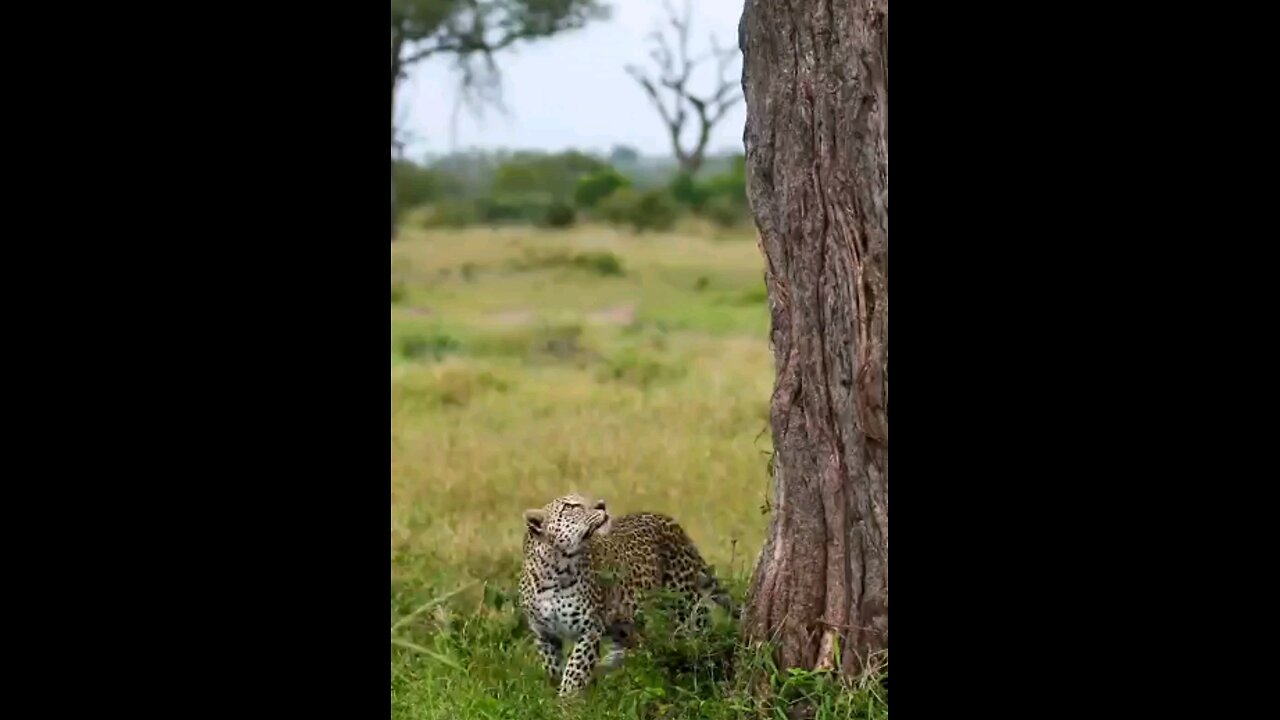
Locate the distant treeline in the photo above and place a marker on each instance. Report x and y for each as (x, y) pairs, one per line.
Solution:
(557, 189)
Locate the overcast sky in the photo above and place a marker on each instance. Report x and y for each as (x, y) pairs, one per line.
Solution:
(572, 91)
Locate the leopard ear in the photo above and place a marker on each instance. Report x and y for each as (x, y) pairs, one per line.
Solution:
(533, 520)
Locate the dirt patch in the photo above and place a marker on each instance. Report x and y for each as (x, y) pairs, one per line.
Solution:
(513, 317)
(619, 315)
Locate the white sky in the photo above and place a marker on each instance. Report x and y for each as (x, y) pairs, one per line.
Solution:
(572, 91)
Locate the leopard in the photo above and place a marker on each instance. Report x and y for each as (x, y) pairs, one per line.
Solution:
(585, 576)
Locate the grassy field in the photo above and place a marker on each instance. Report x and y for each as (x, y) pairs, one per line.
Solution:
(527, 364)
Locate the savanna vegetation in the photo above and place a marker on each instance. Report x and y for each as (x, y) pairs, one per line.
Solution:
(559, 190)
(526, 363)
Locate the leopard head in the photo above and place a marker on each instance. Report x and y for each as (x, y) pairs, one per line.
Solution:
(567, 523)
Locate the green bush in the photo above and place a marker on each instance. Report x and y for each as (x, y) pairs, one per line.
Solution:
(724, 196)
(431, 346)
(619, 207)
(558, 215)
(633, 367)
(655, 210)
(413, 186)
(732, 183)
(597, 186)
(556, 174)
(686, 191)
(724, 212)
(650, 210)
(600, 263)
(502, 208)
(452, 214)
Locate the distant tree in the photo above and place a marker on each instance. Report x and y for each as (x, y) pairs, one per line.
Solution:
(675, 71)
(471, 30)
(623, 156)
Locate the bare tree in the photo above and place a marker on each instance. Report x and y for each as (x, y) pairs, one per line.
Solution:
(816, 81)
(675, 70)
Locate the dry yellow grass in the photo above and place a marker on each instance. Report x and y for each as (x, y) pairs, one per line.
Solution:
(662, 408)
(513, 382)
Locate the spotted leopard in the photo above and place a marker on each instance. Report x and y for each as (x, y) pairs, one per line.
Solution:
(585, 575)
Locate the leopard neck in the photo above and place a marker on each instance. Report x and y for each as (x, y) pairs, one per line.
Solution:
(555, 567)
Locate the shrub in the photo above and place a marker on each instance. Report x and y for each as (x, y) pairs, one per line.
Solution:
(593, 188)
(650, 210)
(451, 214)
(619, 206)
(724, 212)
(725, 195)
(558, 215)
(535, 172)
(431, 346)
(686, 191)
(503, 208)
(412, 186)
(632, 367)
(600, 263)
(655, 210)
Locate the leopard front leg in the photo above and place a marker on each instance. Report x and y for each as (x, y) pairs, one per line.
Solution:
(582, 660)
(551, 651)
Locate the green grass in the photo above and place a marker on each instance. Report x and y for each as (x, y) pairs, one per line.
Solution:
(526, 364)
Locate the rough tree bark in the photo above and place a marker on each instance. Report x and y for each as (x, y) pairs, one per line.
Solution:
(815, 77)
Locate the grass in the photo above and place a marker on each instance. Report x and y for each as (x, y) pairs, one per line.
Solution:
(526, 364)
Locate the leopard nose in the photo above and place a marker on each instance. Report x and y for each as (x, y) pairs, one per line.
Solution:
(600, 505)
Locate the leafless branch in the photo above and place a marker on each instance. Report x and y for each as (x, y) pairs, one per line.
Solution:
(478, 87)
(675, 68)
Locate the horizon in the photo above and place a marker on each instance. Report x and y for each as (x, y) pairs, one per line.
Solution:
(712, 156)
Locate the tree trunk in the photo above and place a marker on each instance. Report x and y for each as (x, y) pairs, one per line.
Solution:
(815, 77)
(691, 163)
